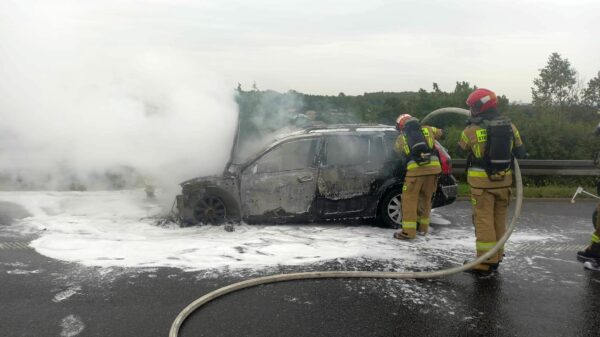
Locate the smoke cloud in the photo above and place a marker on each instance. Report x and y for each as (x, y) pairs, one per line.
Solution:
(89, 89)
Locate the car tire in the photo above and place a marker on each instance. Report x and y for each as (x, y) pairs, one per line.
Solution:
(390, 209)
(209, 209)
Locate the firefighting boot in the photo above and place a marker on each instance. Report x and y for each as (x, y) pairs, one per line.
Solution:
(402, 235)
(591, 254)
(409, 230)
(422, 229)
(483, 268)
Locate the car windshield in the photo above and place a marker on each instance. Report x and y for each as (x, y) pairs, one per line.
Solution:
(248, 148)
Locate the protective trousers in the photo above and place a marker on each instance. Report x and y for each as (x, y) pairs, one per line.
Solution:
(416, 198)
(489, 217)
(596, 234)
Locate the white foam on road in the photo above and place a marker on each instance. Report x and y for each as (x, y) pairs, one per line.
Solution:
(23, 272)
(116, 229)
(71, 326)
(66, 294)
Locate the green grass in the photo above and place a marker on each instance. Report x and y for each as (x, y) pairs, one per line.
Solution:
(550, 191)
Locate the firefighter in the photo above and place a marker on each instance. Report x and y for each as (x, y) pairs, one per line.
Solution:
(417, 144)
(592, 252)
(491, 141)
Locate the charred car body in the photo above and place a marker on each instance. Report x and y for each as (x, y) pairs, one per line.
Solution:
(316, 174)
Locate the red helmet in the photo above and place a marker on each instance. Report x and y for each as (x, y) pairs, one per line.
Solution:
(401, 120)
(481, 100)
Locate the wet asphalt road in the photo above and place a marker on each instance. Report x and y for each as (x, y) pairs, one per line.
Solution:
(540, 291)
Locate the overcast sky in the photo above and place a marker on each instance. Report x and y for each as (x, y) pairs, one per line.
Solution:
(327, 47)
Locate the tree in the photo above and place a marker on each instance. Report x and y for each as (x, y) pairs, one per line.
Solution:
(591, 95)
(556, 86)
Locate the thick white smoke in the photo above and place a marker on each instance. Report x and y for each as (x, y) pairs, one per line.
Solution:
(88, 88)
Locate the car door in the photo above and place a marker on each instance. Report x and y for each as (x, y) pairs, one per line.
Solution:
(350, 166)
(282, 183)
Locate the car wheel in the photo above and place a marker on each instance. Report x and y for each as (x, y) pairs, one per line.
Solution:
(390, 209)
(594, 218)
(210, 209)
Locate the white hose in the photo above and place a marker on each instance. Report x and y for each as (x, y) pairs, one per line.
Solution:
(441, 111)
(176, 325)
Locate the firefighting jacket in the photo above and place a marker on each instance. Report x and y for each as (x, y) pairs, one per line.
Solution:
(412, 168)
(473, 139)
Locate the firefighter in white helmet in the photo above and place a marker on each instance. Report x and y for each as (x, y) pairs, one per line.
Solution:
(417, 144)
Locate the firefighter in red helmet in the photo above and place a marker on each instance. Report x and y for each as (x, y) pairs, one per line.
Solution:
(417, 144)
(491, 141)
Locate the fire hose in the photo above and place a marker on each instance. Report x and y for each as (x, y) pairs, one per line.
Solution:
(177, 323)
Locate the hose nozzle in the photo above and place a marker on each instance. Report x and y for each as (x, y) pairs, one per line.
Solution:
(577, 192)
(580, 190)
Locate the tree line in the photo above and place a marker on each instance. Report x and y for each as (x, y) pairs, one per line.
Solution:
(559, 122)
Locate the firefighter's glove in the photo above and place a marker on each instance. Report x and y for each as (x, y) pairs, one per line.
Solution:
(520, 153)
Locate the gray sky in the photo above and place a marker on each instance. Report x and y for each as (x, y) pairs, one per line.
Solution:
(327, 47)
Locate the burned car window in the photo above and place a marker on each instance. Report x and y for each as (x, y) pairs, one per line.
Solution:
(347, 150)
(390, 140)
(376, 150)
(288, 156)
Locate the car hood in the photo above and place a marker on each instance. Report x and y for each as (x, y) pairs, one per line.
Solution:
(206, 181)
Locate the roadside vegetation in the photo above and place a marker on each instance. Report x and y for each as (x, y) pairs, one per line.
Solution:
(559, 123)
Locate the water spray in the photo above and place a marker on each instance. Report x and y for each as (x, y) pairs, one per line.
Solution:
(177, 323)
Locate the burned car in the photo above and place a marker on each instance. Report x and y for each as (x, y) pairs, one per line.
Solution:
(316, 174)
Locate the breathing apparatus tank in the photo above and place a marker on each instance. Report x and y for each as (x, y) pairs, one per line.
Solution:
(498, 150)
(498, 134)
(420, 152)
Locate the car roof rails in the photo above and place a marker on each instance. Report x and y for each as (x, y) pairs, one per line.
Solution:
(350, 127)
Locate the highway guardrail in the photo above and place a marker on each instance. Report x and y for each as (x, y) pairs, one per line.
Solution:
(537, 167)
